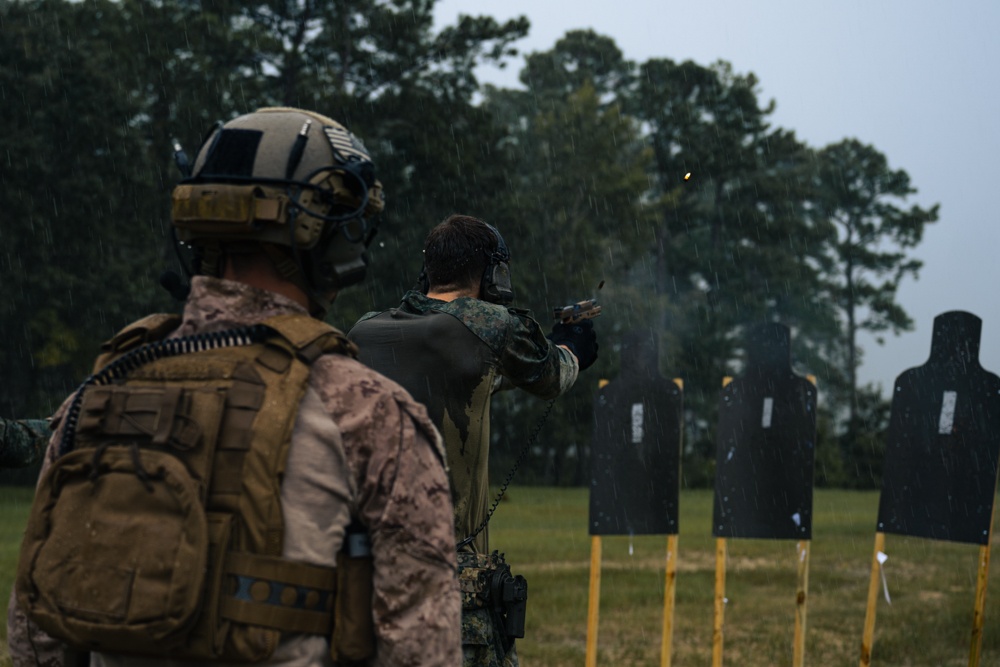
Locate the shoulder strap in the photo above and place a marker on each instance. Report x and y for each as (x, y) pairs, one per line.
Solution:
(310, 338)
(150, 328)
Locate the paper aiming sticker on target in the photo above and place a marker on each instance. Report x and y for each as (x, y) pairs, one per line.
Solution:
(635, 450)
(765, 445)
(940, 470)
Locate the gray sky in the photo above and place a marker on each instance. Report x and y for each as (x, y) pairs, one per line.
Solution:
(916, 79)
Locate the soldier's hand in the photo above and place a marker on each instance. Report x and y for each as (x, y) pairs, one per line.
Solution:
(580, 338)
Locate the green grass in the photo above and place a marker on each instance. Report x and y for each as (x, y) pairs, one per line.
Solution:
(544, 535)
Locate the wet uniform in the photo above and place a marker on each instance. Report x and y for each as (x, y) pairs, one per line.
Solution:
(362, 445)
(452, 356)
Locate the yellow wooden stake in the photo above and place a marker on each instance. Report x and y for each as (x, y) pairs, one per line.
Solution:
(978, 614)
(801, 600)
(979, 611)
(720, 586)
(868, 638)
(801, 593)
(720, 601)
(669, 588)
(594, 605)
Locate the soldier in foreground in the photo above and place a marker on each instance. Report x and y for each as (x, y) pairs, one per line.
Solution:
(451, 344)
(234, 485)
(22, 441)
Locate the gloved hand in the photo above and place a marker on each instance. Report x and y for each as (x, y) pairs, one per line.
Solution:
(579, 338)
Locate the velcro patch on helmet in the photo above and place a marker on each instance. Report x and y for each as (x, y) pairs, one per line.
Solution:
(233, 153)
(345, 145)
(222, 207)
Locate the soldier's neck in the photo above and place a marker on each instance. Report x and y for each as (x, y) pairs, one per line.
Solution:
(451, 295)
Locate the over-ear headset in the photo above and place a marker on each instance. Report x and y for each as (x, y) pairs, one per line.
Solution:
(495, 286)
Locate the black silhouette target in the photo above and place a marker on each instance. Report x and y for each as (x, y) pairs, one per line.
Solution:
(635, 450)
(940, 471)
(765, 445)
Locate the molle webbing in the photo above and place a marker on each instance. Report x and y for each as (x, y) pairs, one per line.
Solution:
(227, 414)
(293, 597)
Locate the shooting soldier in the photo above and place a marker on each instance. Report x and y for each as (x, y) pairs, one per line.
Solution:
(452, 342)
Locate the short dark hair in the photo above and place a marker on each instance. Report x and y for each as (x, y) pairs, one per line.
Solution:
(457, 252)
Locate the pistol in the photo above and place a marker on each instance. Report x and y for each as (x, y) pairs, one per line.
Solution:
(577, 312)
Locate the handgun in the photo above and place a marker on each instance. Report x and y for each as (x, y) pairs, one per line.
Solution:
(577, 312)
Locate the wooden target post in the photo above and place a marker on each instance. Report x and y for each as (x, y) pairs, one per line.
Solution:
(978, 611)
(979, 607)
(594, 601)
(669, 594)
(801, 599)
(594, 598)
(942, 451)
(719, 613)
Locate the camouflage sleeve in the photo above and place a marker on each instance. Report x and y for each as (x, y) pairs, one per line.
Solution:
(22, 441)
(404, 499)
(532, 362)
(29, 646)
(27, 643)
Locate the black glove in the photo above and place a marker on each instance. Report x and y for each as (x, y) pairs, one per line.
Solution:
(579, 338)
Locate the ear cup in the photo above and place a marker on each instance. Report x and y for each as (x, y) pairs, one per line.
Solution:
(495, 286)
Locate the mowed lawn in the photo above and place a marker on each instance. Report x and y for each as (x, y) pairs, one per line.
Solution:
(543, 532)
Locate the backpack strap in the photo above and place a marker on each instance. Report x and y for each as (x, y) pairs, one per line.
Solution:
(269, 591)
(310, 338)
(152, 327)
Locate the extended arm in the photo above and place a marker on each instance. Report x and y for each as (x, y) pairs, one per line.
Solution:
(22, 441)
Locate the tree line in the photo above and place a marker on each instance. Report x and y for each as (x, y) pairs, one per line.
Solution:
(664, 180)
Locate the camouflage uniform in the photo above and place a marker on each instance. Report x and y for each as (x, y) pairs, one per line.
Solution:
(361, 445)
(483, 645)
(22, 441)
(452, 356)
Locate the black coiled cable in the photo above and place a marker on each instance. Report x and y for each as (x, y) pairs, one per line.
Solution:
(150, 352)
(510, 476)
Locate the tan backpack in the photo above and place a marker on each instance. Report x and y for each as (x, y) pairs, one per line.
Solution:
(158, 530)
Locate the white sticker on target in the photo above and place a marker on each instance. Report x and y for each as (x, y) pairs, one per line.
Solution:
(947, 419)
(765, 419)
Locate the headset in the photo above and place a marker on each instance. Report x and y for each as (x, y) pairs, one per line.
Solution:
(495, 285)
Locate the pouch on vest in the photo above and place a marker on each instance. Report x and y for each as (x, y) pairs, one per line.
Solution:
(353, 639)
(161, 532)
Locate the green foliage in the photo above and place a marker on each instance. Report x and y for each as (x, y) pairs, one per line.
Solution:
(77, 177)
(664, 180)
(860, 195)
(863, 441)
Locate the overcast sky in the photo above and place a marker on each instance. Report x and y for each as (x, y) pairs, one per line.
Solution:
(916, 79)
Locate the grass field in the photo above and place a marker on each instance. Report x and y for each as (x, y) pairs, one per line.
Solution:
(544, 535)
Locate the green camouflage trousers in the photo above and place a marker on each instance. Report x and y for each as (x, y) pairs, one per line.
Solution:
(480, 645)
(483, 645)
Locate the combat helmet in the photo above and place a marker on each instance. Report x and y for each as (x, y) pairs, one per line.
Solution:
(293, 183)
